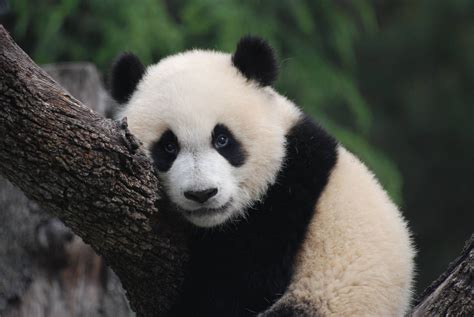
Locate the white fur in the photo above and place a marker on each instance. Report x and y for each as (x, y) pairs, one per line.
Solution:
(194, 172)
(357, 259)
(190, 93)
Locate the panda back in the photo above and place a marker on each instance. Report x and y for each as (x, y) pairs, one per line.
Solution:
(357, 257)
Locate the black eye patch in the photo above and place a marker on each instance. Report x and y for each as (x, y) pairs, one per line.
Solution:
(232, 149)
(162, 151)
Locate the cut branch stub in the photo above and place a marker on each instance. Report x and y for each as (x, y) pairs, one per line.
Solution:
(89, 172)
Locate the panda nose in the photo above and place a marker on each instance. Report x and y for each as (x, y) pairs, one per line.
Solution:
(201, 196)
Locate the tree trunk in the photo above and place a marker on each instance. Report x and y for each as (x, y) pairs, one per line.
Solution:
(89, 172)
(45, 270)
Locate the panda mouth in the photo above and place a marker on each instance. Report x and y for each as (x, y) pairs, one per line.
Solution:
(202, 212)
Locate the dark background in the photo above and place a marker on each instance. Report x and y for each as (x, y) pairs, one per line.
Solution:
(392, 80)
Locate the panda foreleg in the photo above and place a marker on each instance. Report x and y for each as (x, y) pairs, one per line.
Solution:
(286, 307)
(285, 311)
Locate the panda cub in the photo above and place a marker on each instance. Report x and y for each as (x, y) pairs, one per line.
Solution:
(287, 222)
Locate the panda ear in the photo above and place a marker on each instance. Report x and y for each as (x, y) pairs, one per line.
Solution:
(126, 73)
(255, 59)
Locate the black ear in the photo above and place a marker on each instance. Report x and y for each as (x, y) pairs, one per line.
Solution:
(255, 59)
(126, 72)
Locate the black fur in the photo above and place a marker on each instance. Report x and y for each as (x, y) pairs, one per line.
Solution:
(241, 269)
(162, 159)
(255, 59)
(126, 73)
(233, 152)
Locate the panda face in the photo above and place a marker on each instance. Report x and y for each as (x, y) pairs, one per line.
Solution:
(217, 139)
(200, 173)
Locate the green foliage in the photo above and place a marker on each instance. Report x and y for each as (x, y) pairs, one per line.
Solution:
(413, 59)
(315, 40)
(418, 75)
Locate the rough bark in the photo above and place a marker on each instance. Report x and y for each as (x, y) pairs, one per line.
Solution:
(89, 172)
(452, 294)
(83, 81)
(45, 270)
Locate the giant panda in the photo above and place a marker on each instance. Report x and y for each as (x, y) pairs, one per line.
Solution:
(286, 221)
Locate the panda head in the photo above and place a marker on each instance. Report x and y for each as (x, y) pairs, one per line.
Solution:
(212, 124)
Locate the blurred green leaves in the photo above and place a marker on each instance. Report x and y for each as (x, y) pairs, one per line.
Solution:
(413, 59)
(314, 39)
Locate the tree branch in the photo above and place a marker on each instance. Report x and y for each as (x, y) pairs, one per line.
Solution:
(89, 172)
(452, 293)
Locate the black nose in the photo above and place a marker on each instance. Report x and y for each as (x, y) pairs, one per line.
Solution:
(201, 195)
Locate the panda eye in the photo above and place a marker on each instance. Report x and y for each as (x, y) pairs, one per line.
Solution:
(221, 141)
(171, 148)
